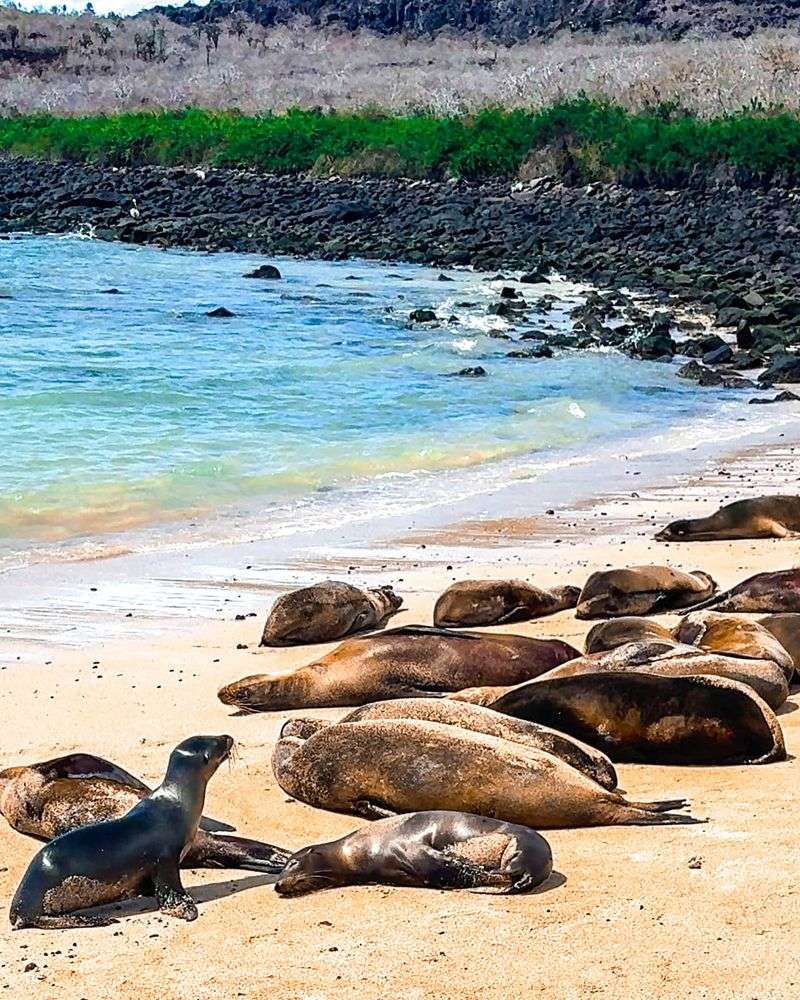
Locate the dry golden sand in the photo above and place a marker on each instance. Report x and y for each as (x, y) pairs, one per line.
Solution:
(704, 911)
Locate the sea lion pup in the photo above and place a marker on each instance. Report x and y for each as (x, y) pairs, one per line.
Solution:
(496, 602)
(327, 611)
(432, 850)
(48, 799)
(765, 592)
(764, 676)
(786, 629)
(733, 636)
(411, 662)
(615, 632)
(644, 718)
(641, 590)
(760, 517)
(479, 720)
(117, 859)
(380, 767)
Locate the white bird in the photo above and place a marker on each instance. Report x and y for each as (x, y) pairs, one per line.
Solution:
(134, 212)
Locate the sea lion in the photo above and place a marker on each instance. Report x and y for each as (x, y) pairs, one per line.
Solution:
(733, 636)
(759, 517)
(615, 632)
(433, 850)
(380, 767)
(48, 799)
(410, 662)
(327, 611)
(774, 592)
(138, 854)
(786, 629)
(764, 676)
(659, 720)
(479, 720)
(497, 602)
(641, 590)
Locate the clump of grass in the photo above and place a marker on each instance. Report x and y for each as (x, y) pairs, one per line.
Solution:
(587, 139)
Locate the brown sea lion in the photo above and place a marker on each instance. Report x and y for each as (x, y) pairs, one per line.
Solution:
(381, 767)
(774, 592)
(327, 611)
(765, 677)
(410, 662)
(641, 590)
(615, 632)
(660, 720)
(432, 850)
(733, 636)
(479, 720)
(48, 799)
(496, 602)
(786, 629)
(759, 517)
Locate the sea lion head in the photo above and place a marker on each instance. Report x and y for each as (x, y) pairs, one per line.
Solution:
(308, 870)
(387, 602)
(676, 531)
(202, 754)
(267, 692)
(567, 596)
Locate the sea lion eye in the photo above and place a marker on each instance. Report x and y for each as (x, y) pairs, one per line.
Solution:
(207, 756)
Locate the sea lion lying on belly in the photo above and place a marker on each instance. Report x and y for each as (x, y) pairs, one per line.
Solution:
(433, 850)
(495, 602)
(381, 767)
(759, 517)
(733, 636)
(774, 592)
(411, 662)
(325, 612)
(615, 632)
(641, 590)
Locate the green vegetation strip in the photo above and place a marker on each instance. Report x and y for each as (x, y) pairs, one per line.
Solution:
(592, 140)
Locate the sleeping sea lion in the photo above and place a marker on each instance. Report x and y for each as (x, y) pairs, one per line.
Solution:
(615, 632)
(759, 517)
(381, 767)
(733, 636)
(765, 592)
(479, 720)
(641, 590)
(53, 797)
(495, 602)
(433, 850)
(138, 854)
(764, 676)
(786, 629)
(659, 720)
(327, 611)
(411, 662)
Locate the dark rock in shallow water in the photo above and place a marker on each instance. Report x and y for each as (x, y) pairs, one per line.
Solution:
(697, 347)
(691, 370)
(541, 351)
(220, 313)
(507, 292)
(651, 346)
(534, 277)
(110, 291)
(422, 316)
(783, 397)
(477, 372)
(783, 368)
(444, 277)
(506, 308)
(266, 271)
(718, 356)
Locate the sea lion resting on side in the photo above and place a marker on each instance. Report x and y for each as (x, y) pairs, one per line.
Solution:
(409, 662)
(495, 602)
(435, 850)
(764, 592)
(479, 720)
(136, 855)
(733, 636)
(615, 632)
(661, 720)
(325, 612)
(760, 517)
(377, 768)
(641, 590)
(48, 799)
(764, 676)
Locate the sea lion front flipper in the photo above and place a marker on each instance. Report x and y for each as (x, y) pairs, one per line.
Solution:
(64, 921)
(371, 810)
(219, 851)
(171, 896)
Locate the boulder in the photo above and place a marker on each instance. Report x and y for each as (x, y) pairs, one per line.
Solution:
(267, 272)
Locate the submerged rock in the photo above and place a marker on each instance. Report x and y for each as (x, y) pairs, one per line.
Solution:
(787, 396)
(220, 313)
(422, 316)
(478, 371)
(267, 272)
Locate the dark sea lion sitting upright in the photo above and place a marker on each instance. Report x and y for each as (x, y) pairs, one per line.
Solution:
(434, 850)
(56, 796)
(643, 718)
(327, 611)
(139, 854)
(495, 602)
(641, 590)
(765, 592)
(760, 517)
(415, 661)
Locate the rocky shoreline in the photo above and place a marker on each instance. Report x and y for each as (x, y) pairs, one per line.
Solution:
(731, 252)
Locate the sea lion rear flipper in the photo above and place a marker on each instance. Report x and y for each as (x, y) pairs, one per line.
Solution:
(427, 630)
(371, 810)
(86, 765)
(664, 805)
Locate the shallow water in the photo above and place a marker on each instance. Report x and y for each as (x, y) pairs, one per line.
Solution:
(135, 420)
